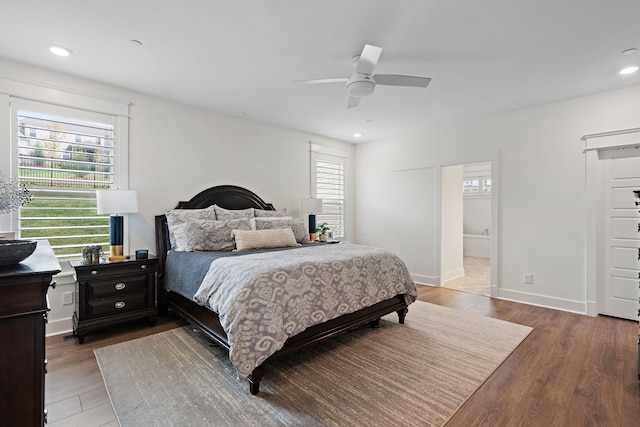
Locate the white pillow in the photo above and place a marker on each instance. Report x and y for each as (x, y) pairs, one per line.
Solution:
(262, 239)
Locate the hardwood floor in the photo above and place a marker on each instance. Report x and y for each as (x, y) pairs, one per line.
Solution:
(572, 370)
(476, 279)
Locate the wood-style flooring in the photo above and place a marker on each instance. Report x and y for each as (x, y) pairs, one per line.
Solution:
(572, 370)
(476, 278)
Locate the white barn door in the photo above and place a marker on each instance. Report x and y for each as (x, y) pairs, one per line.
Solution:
(618, 291)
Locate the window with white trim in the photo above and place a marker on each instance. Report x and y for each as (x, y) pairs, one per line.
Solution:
(64, 155)
(328, 175)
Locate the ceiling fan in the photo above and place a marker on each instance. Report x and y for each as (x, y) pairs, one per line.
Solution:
(362, 81)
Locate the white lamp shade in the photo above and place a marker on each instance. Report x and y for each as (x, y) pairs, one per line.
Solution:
(117, 201)
(311, 206)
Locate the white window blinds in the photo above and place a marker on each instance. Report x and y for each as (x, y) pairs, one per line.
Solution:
(330, 187)
(62, 161)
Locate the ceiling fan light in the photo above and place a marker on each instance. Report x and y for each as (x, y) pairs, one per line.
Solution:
(360, 88)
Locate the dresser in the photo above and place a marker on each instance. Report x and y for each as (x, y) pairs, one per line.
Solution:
(23, 311)
(114, 292)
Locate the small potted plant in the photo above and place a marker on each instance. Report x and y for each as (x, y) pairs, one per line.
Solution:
(92, 254)
(322, 231)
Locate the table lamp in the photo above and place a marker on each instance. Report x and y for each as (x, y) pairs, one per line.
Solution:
(116, 202)
(312, 207)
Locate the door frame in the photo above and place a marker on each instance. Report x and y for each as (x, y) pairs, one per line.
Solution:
(626, 139)
(495, 159)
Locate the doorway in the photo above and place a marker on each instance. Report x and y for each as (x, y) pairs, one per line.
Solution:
(466, 227)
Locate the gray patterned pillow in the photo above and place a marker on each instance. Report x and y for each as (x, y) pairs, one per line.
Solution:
(260, 213)
(223, 214)
(176, 219)
(296, 224)
(209, 235)
(259, 239)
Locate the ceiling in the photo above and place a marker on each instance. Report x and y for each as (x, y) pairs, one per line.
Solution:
(240, 57)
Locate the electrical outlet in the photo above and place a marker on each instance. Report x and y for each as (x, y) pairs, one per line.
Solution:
(67, 298)
(528, 278)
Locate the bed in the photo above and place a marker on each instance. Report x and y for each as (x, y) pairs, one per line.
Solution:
(213, 323)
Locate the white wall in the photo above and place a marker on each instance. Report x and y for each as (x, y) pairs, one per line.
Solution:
(537, 155)
(176, 151)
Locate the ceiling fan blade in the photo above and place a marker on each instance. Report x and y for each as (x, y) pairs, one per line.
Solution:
(353, 102)
(397, 80)
(319, 81)
(368, 59)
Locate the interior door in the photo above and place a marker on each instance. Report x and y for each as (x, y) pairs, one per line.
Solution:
(618, 292)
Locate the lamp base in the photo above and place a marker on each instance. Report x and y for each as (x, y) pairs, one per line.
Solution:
(116, 253)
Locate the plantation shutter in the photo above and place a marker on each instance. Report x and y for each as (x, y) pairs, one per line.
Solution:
(62, 161)
(329, 187)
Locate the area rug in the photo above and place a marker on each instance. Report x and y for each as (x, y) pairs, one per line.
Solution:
(418, 373)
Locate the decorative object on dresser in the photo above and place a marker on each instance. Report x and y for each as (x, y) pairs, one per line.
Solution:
(116, 202)
(12, 196)
(377, 293)
(23, 313)
(114, 292)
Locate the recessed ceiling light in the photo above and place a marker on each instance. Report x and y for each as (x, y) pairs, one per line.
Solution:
(629, 70)
(629, 51)
(368, 121)
(357, 135)
(60, 51)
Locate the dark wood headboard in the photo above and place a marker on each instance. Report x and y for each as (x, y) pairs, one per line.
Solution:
(225, 196)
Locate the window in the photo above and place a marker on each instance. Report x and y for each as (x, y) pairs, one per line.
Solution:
(476, 186)
(62, 162)
(329, 180)
(470, 186)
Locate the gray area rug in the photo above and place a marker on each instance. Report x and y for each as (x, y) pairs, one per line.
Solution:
(418, 373)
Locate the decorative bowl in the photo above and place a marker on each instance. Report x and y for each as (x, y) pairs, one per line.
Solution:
(14, 251)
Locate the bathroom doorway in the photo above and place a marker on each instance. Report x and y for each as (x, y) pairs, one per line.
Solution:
(466, 227)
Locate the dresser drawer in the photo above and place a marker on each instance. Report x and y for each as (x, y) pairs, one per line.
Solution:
(116, 286)
(113, 306)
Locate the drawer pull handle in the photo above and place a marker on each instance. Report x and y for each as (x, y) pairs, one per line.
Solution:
(119, 304)
(144, 266)
(120, 286)
(94, 272)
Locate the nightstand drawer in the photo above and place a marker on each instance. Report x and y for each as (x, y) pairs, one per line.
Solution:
(113, 306)
(117, 286)
(115, 269)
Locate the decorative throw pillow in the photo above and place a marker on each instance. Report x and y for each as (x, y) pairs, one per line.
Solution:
(296, 224)
(261, 213)
(209, 235)
(176, 217)
(224, 214)
(262, 239)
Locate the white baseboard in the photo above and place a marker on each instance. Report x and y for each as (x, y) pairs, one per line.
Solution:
(57, 327)
(579, 307)
(425, 280)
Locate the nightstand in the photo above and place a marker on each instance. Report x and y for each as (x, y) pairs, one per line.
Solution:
(114, 292)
